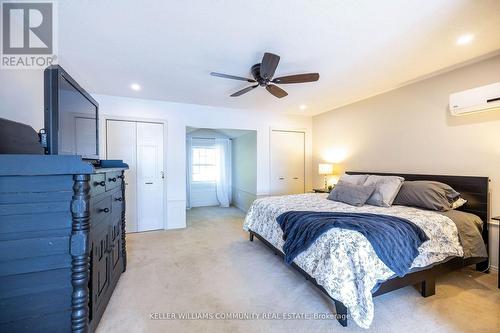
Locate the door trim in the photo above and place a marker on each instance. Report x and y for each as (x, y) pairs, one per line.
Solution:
(103, 149)
(300, 130)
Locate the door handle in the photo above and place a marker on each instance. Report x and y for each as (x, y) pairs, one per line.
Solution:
(148, 183)
(162, 174)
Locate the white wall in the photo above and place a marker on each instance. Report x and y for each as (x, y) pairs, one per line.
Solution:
(244, 165)
(410, 130)
(21, 94)
(178, 116)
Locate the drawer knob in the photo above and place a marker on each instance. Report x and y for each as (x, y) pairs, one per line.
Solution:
(118, 199)
(105, 210)
(112, 179)
(103, 183)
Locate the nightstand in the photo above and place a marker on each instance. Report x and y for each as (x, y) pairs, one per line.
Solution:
(321, 190)
(498, 219)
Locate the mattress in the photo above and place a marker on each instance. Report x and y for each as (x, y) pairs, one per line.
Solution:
(342, 261)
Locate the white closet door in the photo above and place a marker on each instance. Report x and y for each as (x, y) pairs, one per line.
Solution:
(287, 162)
(150, 205)
(121, 144)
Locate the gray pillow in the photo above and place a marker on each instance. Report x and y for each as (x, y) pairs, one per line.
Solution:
(353, 179)
(427, 194)
(386, 189)
(354, 195)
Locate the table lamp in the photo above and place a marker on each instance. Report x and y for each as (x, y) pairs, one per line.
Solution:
(325, 169)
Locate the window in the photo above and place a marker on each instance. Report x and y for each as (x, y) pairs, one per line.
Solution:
(204, 168)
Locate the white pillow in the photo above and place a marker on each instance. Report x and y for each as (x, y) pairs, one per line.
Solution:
(458, 203)
(386, 189)
(353, 179)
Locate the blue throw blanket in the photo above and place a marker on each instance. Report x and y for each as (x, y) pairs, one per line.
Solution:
(395, 240)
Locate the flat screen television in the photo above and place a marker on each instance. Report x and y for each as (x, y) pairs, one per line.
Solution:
(71, 116)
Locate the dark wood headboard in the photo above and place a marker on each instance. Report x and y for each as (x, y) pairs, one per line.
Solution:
(473, 189)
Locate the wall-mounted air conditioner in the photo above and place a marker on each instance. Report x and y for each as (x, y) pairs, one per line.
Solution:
(485, 98)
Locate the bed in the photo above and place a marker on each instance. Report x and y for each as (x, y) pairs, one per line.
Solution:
(343, 265)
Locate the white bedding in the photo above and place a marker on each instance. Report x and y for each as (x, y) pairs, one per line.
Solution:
(343, 261)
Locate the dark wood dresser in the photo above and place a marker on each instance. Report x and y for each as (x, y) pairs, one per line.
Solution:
(62, 241)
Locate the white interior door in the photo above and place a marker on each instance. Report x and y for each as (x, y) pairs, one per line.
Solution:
(140, 145)
(287, 162)
(121, 144)
(150, 204)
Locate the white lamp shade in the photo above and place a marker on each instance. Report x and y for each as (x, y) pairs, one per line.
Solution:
(325, 169)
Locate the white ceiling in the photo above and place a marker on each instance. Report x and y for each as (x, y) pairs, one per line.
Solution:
(360, 48)
(229, 132)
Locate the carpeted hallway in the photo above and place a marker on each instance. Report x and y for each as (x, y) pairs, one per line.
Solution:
(212, 267)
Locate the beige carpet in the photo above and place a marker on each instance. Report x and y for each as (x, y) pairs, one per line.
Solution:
(211, 267)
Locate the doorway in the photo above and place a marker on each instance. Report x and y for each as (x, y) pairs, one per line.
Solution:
(140, 145)
(221, 167)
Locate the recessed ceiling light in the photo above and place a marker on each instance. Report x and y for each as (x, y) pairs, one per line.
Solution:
(303, 106)
(135, 86)
(465, 39)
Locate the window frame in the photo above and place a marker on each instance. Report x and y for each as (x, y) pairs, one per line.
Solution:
(212, 149)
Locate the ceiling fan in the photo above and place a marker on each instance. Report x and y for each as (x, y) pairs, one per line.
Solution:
(263, 75)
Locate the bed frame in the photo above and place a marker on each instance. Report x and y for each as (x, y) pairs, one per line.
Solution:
(473, 189)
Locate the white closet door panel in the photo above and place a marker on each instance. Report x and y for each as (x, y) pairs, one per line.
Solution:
(287, 162)
(151, 201)
(85, 135)
(121, 144)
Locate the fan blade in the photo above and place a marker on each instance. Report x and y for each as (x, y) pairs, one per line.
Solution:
(268, 66)
(276, 91)
(226, 76)
(244, 91)
(299, 78)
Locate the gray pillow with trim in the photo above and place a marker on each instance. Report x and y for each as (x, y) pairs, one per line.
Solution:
(354, 195)
(427, 194)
